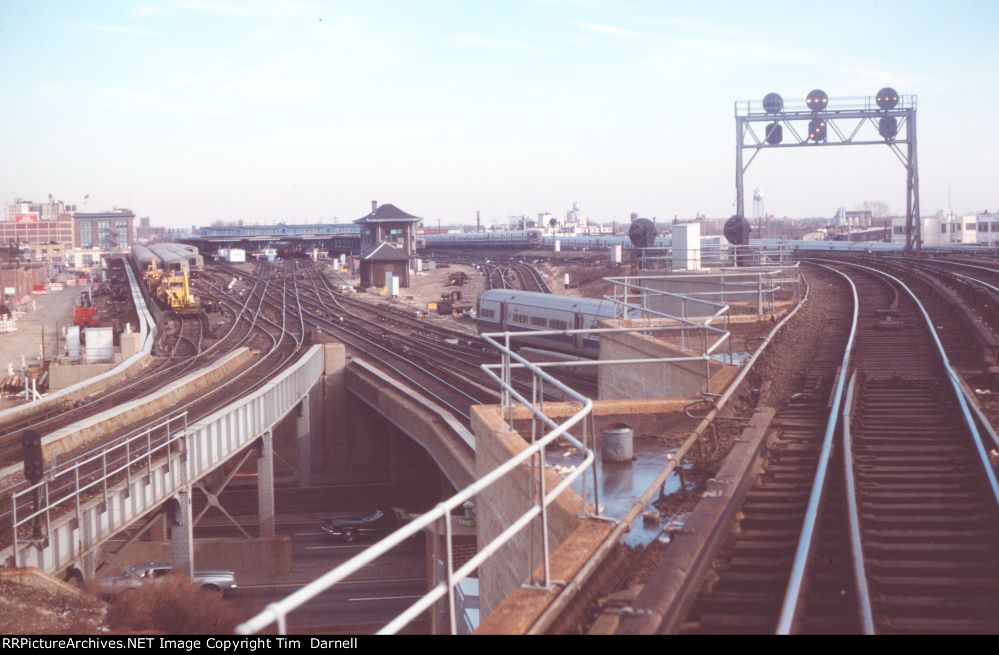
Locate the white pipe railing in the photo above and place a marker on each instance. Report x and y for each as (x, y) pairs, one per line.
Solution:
(114, 485)
(502, 373)
(277, 613)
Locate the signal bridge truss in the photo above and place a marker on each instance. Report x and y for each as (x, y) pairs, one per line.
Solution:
(885, 120)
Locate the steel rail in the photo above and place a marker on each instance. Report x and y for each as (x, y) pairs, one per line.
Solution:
(161, 375)
(332, 327)
(420, 366)
(954, 378)
(574, 586)
(937, 264)
(975, 280)
(793, 597)
(861, 587)
(190, 404)
(470, 360)
(437, 349)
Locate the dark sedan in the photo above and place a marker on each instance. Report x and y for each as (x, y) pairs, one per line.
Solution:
(376, 523)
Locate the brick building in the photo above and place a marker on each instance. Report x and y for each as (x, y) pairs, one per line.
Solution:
(27, 231)
(387, 244)
(101, 233)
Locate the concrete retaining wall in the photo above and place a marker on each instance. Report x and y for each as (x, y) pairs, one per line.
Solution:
(508, 608)
(66, 375)
(417, 418)
(652, 380)
(645, 417)
(504, 502)
(110, 422)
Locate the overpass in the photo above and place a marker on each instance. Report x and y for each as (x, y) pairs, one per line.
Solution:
(332, 237)
(496, 463)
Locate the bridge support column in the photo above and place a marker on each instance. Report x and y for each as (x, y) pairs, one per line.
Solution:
(334, 452)
(395, 457)
(88, 563)
(265, 485)
(303, 436)
(182, 535)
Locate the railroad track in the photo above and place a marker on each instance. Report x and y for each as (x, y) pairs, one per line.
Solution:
(877, 510)
(281, 336)
(977, 284)
(170, 368)
(506, 273)
(389, 350)
(530, 278)
(966, 316)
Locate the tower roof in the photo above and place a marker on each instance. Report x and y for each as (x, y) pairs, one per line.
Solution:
(388, 213)
(385, 252)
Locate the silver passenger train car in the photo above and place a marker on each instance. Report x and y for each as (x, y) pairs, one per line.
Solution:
(531, 238)
(510, 310)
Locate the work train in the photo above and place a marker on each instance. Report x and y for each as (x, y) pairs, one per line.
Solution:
(167, 269)
(510, 310)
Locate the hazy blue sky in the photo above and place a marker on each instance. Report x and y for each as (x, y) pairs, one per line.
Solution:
(194, 110)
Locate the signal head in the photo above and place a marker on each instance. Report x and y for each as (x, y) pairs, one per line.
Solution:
(817, 100)
(817, 130)
(642, 233)
(773, 103)
(737, 230)
(774, 134)
(887, 98)
(888, 127)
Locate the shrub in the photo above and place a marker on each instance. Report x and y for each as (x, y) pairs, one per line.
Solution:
(173, 606)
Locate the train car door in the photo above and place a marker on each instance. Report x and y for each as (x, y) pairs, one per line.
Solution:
(577, 339)
(502, 316)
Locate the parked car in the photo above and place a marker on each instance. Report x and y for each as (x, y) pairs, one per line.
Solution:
(140, 574)
(375, 523)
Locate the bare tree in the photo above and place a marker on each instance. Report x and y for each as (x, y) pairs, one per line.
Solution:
(878, 208)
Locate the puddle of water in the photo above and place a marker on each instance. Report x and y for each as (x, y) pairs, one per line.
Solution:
(622, 484)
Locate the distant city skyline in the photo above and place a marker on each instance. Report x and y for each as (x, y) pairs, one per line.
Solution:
(191, 111)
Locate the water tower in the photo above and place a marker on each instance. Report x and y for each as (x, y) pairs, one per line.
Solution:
(759, 213)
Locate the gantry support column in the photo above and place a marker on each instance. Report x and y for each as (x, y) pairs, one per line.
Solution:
(303, 436)
(265, 485)
(182, 535)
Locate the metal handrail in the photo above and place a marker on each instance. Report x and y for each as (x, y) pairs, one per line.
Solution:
(206, 444)
(277, 612)
(806, 543)
(740, 279)
(717, 405)
(853, 514)
(110, 466)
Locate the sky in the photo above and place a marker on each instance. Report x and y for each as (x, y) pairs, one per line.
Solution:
(191, 111)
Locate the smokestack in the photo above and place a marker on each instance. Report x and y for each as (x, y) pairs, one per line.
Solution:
(478, 221)
(374, 206)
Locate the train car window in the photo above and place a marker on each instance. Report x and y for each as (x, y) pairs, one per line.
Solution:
(539, 321)
(488, 313)
(556, 324)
